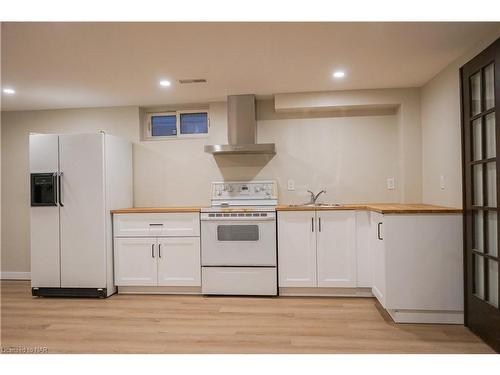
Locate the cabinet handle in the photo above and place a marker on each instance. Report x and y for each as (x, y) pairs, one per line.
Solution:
(155, 225)
(159, 250)
(319, 224)
(152, 250)
(312, 224)
(378, 231)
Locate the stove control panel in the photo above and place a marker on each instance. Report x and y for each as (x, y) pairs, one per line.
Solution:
(244, 190)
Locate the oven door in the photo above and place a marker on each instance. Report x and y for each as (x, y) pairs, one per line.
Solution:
(238, 243)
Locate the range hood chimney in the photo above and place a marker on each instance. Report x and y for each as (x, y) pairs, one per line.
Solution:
(241, 129)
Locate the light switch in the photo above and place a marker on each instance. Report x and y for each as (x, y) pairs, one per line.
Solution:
(291, 185)
(441, 182)
(390, 183)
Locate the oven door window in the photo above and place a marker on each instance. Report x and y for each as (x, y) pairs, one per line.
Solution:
(237, 232)
(43, 189)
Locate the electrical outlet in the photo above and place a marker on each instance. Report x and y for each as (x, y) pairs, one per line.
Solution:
(390, 183)
(291, 185)
(441, 182)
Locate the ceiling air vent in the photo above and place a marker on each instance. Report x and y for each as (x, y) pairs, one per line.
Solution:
(195, 80)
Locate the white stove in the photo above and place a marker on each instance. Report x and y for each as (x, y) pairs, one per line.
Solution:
(238, 252)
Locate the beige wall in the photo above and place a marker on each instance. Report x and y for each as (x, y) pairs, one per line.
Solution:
(351, 157)
(16, 127)
(441, 134)
(407, 102)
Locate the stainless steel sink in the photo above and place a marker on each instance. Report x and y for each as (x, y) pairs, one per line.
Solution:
(325, 205)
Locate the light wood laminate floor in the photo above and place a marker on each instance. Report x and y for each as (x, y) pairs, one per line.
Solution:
(197, 324)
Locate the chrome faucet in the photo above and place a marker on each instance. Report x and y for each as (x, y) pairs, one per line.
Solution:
(314, 197)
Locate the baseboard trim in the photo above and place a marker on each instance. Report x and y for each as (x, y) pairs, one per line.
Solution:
(325, 292)
(159, 290)
(5, 275)
(427, 316)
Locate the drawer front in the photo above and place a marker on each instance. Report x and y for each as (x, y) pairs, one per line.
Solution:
(239, 280)
(161, 225)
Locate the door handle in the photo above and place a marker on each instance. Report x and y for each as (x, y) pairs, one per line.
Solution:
(55, 182)
(59, 187)
(319, 224)
(159, 250)
(152, 250)
(378, 231)
(312, 224)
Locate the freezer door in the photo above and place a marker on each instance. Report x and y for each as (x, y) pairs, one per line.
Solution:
(83, 247)
(44, 227)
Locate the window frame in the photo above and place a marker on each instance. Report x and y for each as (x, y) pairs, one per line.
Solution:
(149, 127)
(148, 136)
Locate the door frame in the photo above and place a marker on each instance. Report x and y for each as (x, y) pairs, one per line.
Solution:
(476, 320)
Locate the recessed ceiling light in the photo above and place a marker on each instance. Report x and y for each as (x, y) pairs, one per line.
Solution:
(9, 91)
(339, 74)
(164, 83)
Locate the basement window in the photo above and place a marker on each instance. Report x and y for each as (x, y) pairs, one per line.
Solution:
(163, 125)
(193, 123)
(176, 125)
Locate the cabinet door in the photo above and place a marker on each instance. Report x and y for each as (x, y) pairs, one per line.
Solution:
(179, 261)
(378, 256)
(135, 261)
(297, 249)
(336, 248)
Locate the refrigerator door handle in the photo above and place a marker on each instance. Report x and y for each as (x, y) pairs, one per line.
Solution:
(59, 188)
(55, 182)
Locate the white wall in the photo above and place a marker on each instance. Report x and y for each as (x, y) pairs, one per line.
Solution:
(441, 134)
(16, 127)
(407, 102)
(1, 210)
(351, 157)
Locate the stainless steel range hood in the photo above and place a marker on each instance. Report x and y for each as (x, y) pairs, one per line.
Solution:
(241, 129)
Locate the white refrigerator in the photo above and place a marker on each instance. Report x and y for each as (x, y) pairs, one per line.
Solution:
(76, 179)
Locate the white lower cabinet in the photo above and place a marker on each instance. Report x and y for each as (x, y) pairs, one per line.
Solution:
(157, 261)
(317, 249)
(417, 266)
(336, 249)
(297, 249)
(135, 263)
(378, 257)
(179, 261)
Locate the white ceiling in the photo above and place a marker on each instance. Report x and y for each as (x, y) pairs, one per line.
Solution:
(64, 65)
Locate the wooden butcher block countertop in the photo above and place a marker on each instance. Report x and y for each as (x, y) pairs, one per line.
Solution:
(383, 208)
(153, 210)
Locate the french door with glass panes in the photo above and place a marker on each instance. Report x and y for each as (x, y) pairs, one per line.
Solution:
(480, 80)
